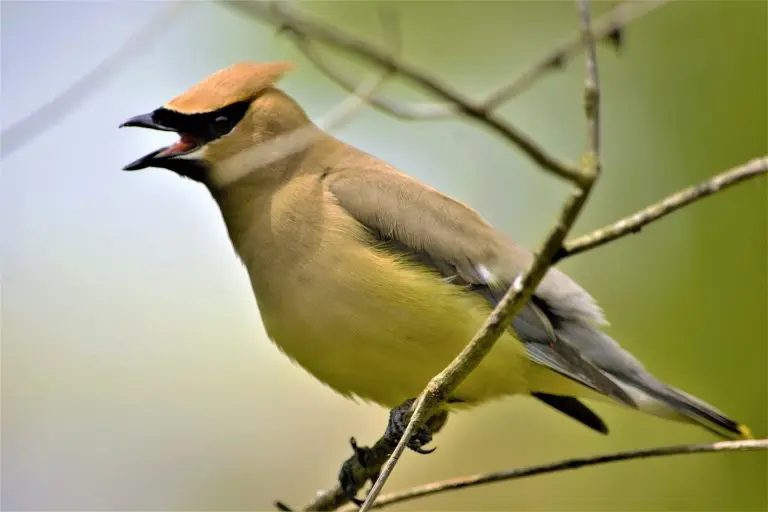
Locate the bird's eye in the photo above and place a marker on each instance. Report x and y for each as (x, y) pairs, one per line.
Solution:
(220, 125)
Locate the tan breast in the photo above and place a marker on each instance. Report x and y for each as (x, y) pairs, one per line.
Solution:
(362, 321)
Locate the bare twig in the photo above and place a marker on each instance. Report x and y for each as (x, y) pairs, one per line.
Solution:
(400, 109)
(552, 467)
(607, 25)
(591, 90)
(19, 134)
(301, 138)
(523, 287)
(376, 456)
(300, 24)
(635, 222)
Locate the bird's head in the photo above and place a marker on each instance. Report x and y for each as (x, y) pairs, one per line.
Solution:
(220, 120)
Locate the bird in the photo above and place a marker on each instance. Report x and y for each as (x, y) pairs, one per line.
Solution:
(373, 281)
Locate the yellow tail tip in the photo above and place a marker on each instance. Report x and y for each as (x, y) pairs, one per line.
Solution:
(745, 432)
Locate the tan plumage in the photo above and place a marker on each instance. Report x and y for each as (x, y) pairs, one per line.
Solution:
(239, 82)
(373, 281)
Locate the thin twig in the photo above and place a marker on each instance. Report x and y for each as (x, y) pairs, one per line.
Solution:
(607, 25)
(376, 456)
(399, 109)
(564, 465)
(635, 222)
(301, 138)
(296, 22)
(21, 133)
(523, 287)
(591, 90)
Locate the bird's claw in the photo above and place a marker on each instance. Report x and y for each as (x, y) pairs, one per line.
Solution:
(352, 481)
(362, 466)
(398, 421)
(423, 451)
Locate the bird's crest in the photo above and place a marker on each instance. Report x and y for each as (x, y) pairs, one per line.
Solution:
(239, 82)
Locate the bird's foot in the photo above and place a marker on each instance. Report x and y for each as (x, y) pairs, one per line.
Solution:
(365, 463)
(357, 470)
(398, 421)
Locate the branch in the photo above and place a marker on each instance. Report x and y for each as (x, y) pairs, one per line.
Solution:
(301, 138)
(564, 465)
(441, 386)
(635, 222)
(610, 26)
(591, 90)
(399, 109)
(300, 24)
(21, 133)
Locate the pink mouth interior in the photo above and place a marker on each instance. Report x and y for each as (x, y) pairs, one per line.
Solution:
(184, 144)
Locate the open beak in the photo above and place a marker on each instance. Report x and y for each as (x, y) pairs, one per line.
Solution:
(185, 145)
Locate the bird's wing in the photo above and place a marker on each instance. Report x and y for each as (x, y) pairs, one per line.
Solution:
(448, 236)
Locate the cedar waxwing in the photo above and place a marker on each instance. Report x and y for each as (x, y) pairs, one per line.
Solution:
(373, 281)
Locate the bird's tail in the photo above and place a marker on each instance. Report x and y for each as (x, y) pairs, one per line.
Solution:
(659, 399)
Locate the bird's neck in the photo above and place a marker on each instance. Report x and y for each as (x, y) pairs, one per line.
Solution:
(273, 158)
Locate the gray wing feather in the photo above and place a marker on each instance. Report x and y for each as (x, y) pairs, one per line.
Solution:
(620, 364)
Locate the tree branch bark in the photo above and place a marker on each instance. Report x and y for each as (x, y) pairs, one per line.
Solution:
(637, 221)
(506, 475)
(610, 26)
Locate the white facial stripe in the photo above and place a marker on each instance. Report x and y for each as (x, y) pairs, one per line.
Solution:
(233, 168)
(262, 155)
(193, 155)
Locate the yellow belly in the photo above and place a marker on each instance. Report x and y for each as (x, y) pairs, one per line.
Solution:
(372, 326)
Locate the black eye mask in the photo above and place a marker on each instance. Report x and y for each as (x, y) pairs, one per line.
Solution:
(205, 127)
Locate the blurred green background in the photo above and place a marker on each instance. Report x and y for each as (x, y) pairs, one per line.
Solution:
(135, 371)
